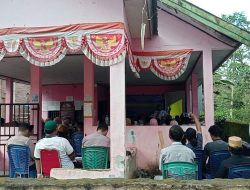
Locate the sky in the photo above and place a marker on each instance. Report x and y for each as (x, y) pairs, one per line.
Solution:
(219, 7)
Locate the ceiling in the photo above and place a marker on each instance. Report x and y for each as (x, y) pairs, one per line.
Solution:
(135, 10)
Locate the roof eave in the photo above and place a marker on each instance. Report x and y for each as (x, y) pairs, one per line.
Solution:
(209, 20)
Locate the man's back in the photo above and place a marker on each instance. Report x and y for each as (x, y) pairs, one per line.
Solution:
(176, 153)
(22, 140)
(96, 139)
(233, 160)
(62, 145)
(217, 145)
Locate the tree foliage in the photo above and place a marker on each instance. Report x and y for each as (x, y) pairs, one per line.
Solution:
(232, 79)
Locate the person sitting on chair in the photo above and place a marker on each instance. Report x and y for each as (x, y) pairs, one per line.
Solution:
(63, 131)
(76, 139)
(237, 157)
(176, 152)
(25, 130)
(52, 141)
(99, 138)
(217, 145)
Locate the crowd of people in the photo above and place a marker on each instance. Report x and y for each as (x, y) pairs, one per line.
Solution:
(57, 134)
(159, 117)
(184, 145)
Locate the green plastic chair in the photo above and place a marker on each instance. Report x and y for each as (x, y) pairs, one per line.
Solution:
(180, 170)
(95, 157)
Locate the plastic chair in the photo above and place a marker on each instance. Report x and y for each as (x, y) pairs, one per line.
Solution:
(76, 141)
(199, 160)
(49, 159)
(95, 157)
(19, 158)
(239, 171)
(215, 160)
(179, 170)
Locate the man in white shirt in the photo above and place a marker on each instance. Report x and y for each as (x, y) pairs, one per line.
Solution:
(52, 141)
(176, 152)
(25, 130)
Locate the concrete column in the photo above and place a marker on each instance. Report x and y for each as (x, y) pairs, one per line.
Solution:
(9, 99)
(88, 93)
(95, 104)
(208, 87)
(195, 109)
(117, 118)
(36, 97)
(188, 96)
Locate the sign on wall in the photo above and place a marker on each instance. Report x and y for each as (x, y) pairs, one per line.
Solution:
(87, 109)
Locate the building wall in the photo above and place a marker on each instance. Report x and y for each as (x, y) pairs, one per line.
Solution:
(59, 93)
(29, 13)
(148, 151)
(174, 33)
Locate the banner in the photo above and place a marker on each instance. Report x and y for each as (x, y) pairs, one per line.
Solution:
(104, 45)
(167, 65)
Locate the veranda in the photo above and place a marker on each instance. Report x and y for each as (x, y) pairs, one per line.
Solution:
(93, 53)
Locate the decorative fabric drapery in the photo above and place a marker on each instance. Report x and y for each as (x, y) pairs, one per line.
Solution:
(167, 65)
(104, 46)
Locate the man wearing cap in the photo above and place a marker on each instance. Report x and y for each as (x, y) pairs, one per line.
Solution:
(52, 141)
(25, 130)
(235, 148)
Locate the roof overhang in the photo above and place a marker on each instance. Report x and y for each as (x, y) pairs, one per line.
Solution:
(205, 19)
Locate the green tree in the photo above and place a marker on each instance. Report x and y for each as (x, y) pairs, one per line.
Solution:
(232, 79)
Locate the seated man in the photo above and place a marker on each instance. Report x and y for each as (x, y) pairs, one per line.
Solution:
(217, 145)
(236, 150)
(76, 139)
(52, 141)
(176, 152)
(25, 130)
(99, 138)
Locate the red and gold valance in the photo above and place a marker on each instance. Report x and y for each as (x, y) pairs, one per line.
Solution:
(167, 65)
(103, 44)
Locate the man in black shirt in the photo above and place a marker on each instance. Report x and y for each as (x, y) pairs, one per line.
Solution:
(217, 145)
(235, 148)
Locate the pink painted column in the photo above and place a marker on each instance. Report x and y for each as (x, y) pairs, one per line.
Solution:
(194, 94)
(88, 93)
(188, 95)
(95, 104)
(9, 99)
(117, 118)
(208, 87)
(36, 96)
